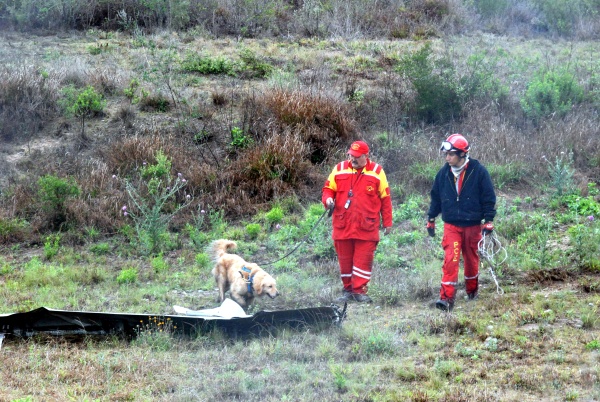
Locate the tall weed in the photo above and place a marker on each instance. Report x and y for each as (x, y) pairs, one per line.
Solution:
(154, 198)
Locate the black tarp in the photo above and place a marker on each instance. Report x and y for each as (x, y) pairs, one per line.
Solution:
(73, 323)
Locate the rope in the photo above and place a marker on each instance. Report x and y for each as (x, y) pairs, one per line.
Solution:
(327, 211)
(490, 248)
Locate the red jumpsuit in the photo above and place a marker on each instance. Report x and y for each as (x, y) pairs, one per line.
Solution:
(362, 199)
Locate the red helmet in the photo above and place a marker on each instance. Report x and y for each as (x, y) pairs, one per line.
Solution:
(456, 142)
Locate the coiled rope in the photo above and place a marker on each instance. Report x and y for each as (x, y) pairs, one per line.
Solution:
(490, 249)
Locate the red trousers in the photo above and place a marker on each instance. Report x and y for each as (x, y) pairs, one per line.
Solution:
(459, 240)
(356, 262)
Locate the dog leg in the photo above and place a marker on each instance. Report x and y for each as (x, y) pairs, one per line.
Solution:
(240, 300)
(222, 289)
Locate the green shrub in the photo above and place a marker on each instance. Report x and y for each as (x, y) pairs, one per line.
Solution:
(51, 246)
(253, 66)
(13, 229)
(434, 81)
(133, 91)
(411, 208)
(561, 15)
(275, 215)
(127, 275)
(378, 343)
(253, 230)
(585, 243)
(239, 139)
(583, 206)
(53, 193)
(159, 264)
(202, 260)
(94, 50)
(480, 82)
(206, 64)
(551, 92)
(509, 173)
(37, 274)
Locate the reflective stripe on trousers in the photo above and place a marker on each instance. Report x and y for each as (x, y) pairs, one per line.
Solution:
(356, 262)
(456, 241)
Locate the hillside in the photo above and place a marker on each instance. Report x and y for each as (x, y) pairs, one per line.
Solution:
(222, 132)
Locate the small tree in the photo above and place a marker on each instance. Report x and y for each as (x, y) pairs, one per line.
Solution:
(83, 103)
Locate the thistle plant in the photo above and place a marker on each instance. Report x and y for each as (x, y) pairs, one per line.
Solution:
(561, 172)
(154, 203)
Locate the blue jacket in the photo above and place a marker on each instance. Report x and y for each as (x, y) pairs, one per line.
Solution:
(476, 201)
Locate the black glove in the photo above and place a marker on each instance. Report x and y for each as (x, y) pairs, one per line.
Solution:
(431, 228)
(487, 228)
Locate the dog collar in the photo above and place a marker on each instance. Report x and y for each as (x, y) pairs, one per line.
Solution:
(248, 280)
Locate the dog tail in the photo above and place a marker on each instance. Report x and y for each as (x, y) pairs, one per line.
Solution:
(219, 247)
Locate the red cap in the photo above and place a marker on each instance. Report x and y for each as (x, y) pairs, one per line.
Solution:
(358, 148)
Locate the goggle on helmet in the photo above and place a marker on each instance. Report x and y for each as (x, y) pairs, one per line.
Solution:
(455, 142)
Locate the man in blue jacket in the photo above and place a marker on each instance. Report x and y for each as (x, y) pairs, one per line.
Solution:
(464, 194)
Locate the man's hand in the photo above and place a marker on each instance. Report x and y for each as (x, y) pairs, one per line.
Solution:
(431, 228)
(387, 231)
(487, 228)
(329, 203)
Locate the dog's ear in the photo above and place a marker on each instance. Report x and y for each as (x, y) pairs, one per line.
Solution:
(258, 284)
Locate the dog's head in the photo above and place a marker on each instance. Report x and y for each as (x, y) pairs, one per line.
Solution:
(269, 287)
(265, 284)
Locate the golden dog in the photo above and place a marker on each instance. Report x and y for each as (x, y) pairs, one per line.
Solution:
(244, 280)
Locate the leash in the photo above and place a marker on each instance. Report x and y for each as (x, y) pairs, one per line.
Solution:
(488, 248)
(329, 212)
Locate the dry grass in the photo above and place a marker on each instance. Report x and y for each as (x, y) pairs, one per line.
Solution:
(28, 102)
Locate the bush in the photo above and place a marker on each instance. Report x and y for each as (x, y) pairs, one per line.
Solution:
(198, 63)
(271, 170)
(51, 246)
(551, 92)
(53, 193)
(159, 263)
(434, 81)
(253, 66)
(253, 230)
(155, 103)
(320, 121)
(127, 275)
(13, 230)
(275, 215)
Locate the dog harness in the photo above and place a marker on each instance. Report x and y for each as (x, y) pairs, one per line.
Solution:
(249, 279)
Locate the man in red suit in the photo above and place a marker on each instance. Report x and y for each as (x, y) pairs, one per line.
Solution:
(358, 191)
